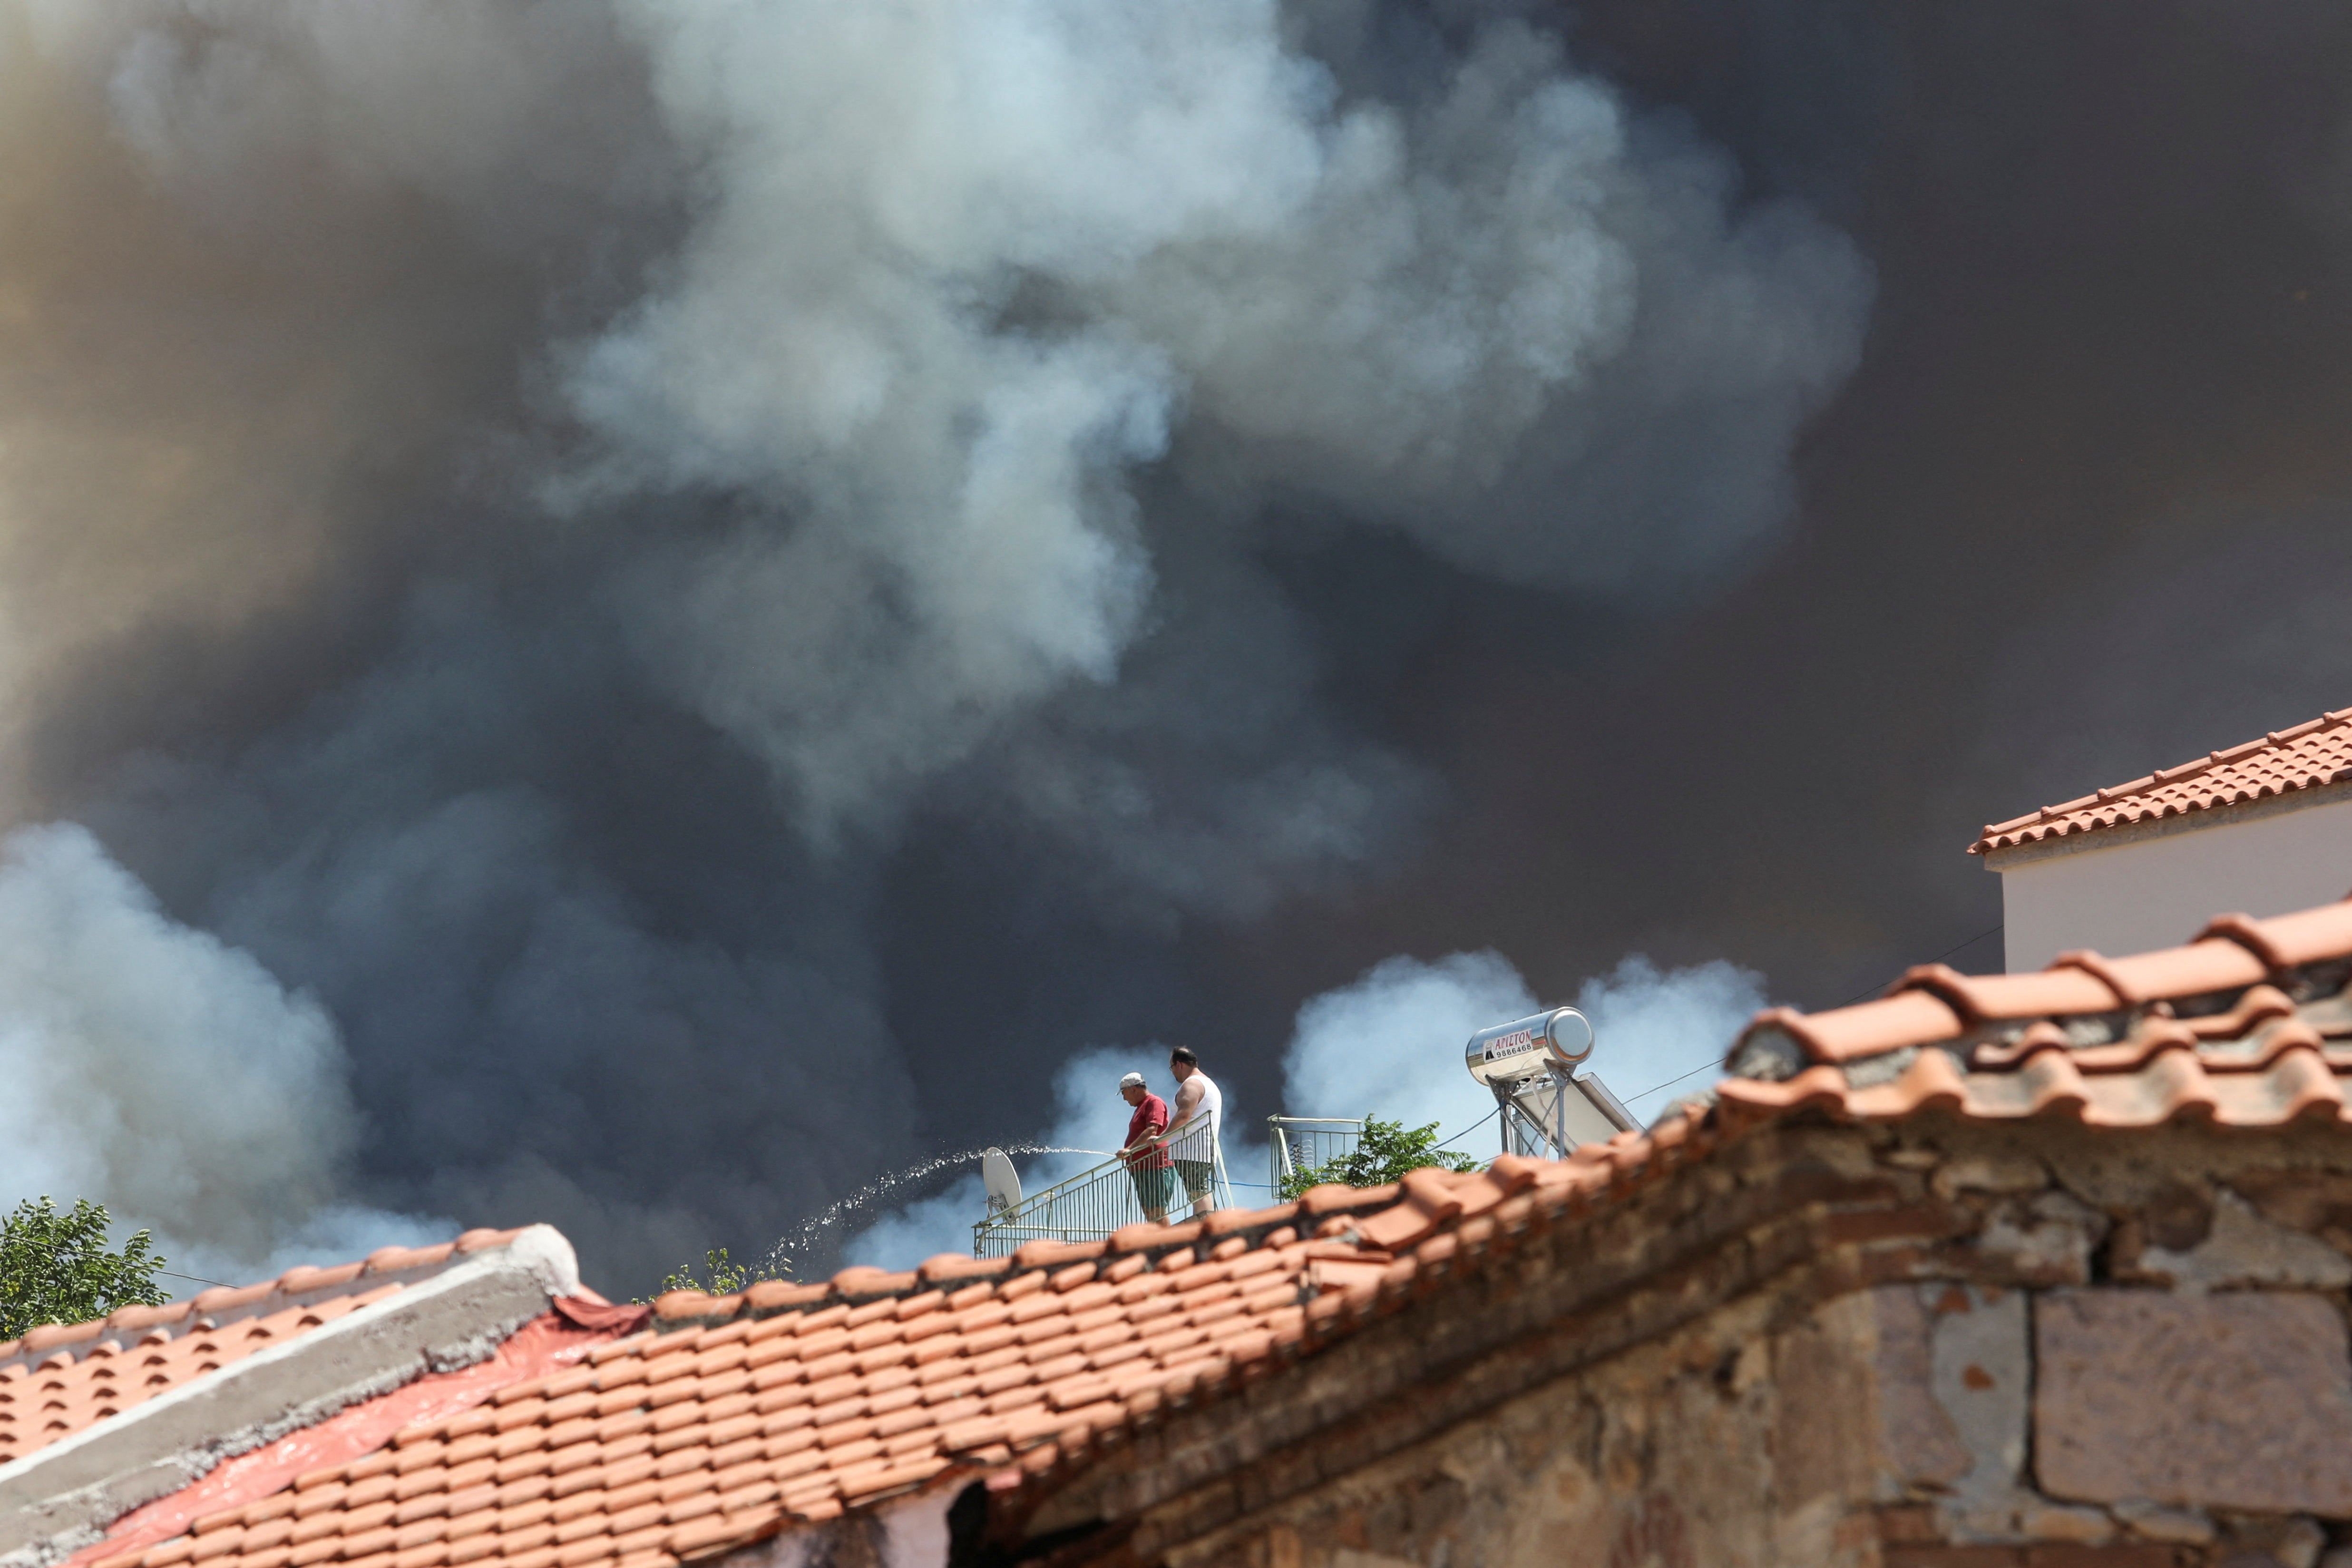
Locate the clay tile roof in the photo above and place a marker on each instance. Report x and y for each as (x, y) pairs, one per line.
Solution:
(65, 1377)
(2285, 940)
(728, 1420)
(2248, 1026)
(1906, 1018)
(2311, 754)
(2212, 964)
(2070, 988)
(725, 1420)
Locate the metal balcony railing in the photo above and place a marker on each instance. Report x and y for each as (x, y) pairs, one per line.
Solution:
(1092, 1204)
(1296, 1143)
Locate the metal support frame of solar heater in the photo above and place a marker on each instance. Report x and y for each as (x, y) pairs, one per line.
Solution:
(1090, 1205)
(1543, 1119)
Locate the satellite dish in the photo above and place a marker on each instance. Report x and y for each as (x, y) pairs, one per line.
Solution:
(1003, 1183)
(1510, 1052)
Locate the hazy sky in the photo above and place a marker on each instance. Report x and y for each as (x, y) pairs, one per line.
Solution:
(635, 613)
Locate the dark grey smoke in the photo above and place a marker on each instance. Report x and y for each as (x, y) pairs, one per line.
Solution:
(720, 590)
(2080, 513)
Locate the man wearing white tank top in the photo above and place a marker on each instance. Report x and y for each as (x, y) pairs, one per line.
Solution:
(1193, 1127)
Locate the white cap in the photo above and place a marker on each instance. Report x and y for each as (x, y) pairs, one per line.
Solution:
(1132, 1081)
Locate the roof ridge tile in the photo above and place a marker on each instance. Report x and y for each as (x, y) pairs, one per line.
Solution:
(2302, 757)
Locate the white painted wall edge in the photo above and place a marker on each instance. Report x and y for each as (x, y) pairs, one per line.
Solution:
(2160, 890)
(910, 1531)
(60, 1499)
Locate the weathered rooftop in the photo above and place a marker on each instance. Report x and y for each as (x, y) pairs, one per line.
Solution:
(715, 1422)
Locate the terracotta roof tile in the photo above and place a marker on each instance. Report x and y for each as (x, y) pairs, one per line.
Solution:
(2213, 965)
(2251, 1026)
(1978, 998)
(2286, 940)
(2314, 753)
(1904, 1018)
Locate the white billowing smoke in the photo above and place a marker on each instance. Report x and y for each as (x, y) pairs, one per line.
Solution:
(1662, 1034)
(154, 1069)
(959, 272)
(1391, 1044)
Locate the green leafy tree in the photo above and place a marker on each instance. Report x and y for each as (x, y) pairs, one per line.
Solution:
(722, 1276)
(1382, 1154)
(58, 1269)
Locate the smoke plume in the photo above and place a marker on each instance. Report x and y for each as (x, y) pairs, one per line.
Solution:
(927, 336)
(150, 1063)
(716, 593)
(682, 604)
(537, 535)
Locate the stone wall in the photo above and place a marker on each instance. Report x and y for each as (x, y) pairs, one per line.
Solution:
(1936, 1346)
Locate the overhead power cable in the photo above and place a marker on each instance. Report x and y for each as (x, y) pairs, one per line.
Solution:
(1472, 1127)
(1938, 958)
(199, 1279)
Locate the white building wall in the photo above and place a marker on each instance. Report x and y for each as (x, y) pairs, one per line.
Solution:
(2157, 890)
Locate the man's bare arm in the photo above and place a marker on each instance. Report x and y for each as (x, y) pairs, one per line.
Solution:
(1153, 1132)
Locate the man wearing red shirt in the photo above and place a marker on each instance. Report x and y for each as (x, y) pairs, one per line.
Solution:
(1148, 1162)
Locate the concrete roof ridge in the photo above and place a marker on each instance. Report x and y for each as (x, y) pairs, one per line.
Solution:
(303, 1285)
(459, 1310)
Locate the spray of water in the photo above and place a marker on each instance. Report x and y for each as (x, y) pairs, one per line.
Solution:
(824, 1227)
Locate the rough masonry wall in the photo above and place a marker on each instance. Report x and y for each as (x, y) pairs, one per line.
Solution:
(1725, 1445)
(2035, 1346)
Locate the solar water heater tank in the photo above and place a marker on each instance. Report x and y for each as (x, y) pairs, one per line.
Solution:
(1548, 1107)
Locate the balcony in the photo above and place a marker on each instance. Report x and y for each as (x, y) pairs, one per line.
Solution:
(1092, 1204)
